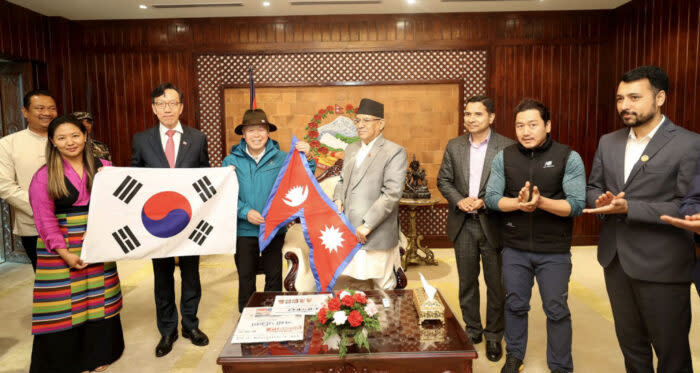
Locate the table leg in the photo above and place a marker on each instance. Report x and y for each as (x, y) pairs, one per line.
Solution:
(414, 244)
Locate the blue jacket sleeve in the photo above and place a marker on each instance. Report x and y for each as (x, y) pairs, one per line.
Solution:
(574, 183)
(243, 208)
(497, 183)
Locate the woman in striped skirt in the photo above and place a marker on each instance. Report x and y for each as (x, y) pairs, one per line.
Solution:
(75, 317)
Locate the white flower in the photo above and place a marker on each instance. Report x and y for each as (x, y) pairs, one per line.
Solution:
(371, 308)
(360, 292)
(343, 294)
(333, 342)
(339, 317)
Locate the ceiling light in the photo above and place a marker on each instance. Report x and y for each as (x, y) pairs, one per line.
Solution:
(266, 3)
(143, 6)
(411, 1)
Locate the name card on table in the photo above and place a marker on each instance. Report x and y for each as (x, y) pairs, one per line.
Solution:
(299, 304)
(258, 324)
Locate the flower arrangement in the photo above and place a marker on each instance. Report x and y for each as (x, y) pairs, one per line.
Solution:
(346, 319)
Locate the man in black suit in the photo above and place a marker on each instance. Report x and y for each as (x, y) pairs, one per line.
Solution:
(640, 173)
(172, 145)
(474, 229)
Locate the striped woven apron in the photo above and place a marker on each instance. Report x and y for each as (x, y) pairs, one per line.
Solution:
(66, 297)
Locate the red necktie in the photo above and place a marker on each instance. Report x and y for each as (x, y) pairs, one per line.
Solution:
(170, 148)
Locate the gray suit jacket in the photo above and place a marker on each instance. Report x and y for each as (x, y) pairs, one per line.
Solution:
(453, 183)
(648, 249)
(371, 192)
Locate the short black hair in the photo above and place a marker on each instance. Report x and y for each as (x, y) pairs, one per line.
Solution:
(160, 90)
(27, 100)
(656, 75)
(531, 103)
(487, 101)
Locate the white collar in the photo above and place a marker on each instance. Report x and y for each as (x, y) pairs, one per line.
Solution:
(163, 129)
(256, 158)
(367, 146)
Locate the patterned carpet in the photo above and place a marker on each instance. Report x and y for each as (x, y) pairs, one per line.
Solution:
(594, 344)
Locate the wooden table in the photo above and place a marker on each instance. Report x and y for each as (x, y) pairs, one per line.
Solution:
(412, 236)
(401, 346)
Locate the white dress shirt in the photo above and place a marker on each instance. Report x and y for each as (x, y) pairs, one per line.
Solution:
(635, 147)
(176, 136)
(364, 150)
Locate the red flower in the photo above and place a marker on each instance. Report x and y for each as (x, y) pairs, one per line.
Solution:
(329, 108)
(348, 301)
(312, 125)
(360, 298)
(315, 143)
(322, 111)
(317, 117)
(334, 303)
(355, 318)
(313, 134)
(348, 107)
(323, 150)
(322, 315)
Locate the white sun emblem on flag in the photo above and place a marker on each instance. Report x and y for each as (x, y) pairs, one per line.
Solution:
(296, 195)
(332, 238)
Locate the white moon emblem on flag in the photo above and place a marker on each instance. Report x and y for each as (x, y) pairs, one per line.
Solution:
(296, 195)
(332, 238)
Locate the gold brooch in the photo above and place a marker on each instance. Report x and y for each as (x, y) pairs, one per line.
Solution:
(645, 158)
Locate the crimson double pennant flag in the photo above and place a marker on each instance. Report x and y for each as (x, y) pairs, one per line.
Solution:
(329, 234)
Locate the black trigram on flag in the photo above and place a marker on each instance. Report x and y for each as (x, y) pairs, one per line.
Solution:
(204, 188)
(201, 233)
(126, 239)
(127, 189)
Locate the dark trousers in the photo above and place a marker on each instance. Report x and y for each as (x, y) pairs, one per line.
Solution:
(552, 272)
(650, 314)
(246, 257)
(470, 246)
(29, 244)
(164, 289)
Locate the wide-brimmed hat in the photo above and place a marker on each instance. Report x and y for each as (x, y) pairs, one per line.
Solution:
(254, 117)
(371, 107)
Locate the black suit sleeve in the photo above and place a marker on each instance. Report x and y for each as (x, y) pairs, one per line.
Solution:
(136, 156)
(691, 202)
(204, 154)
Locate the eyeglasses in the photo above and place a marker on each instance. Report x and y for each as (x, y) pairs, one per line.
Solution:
(358, 120)
(171, 105)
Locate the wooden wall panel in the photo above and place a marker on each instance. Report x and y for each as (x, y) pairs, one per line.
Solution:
(411, 114)
(23, 33)
(664, 33)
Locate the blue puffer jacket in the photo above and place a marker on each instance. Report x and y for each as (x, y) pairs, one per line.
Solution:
(255, 181)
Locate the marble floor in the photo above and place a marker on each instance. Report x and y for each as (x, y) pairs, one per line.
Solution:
(595, 347)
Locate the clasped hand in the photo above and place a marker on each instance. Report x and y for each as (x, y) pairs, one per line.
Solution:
(470, 204)
(528, 201)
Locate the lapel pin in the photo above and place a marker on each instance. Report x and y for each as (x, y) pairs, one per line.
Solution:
(645, 158)
(184, 143)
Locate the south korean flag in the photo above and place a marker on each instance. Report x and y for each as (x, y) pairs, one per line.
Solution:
(161, 212)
